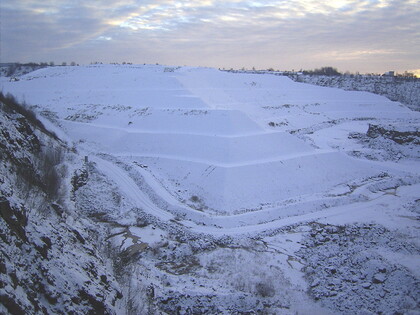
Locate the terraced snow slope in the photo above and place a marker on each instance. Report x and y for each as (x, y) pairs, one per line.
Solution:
(231, 193)
(213, 143)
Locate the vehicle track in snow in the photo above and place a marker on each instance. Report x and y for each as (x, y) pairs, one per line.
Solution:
(130, 188)
(208, 224)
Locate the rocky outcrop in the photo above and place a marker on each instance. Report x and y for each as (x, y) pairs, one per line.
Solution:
(346, 271)
(51, 259)
(398, 135)
(389, 141)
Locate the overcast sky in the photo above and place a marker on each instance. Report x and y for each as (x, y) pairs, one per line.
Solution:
(365, 35)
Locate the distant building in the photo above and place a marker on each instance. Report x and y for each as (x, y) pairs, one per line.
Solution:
(389, 73)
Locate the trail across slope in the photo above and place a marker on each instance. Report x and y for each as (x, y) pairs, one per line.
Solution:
(129, 187)
(245, 223)
(234, 142)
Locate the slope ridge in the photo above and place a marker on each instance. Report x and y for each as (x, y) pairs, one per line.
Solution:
(237, 142)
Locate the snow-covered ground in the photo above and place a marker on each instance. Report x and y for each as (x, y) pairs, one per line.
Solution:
(248, 169)
(404, 90)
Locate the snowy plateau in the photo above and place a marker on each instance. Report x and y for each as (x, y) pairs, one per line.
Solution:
(149, 189)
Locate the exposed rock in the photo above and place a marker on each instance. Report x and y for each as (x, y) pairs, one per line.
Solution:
(398, 135)
(379, 278)
(366, 285)
(347, 273)
(43, 254)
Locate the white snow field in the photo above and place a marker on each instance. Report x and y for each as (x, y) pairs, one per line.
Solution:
(242, 193)
(214, 144)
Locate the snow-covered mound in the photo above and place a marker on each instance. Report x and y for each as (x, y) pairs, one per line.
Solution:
(220, 142)
(223, 193)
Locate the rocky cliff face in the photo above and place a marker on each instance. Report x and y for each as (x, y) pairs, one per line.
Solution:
(51, 260)
(401, 90)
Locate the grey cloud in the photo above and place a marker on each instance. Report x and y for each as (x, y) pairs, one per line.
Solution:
(265, 33)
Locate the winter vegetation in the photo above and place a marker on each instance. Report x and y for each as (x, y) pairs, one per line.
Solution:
(48, 263)
(148, 189)
(16, 69)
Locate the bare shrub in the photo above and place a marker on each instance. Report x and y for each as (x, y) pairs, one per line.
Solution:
(265, 289)
(195, 198)
(50, 160)
(11, 104)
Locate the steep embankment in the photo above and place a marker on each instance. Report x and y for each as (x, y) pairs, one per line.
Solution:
(50, 261)
(404, 90)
